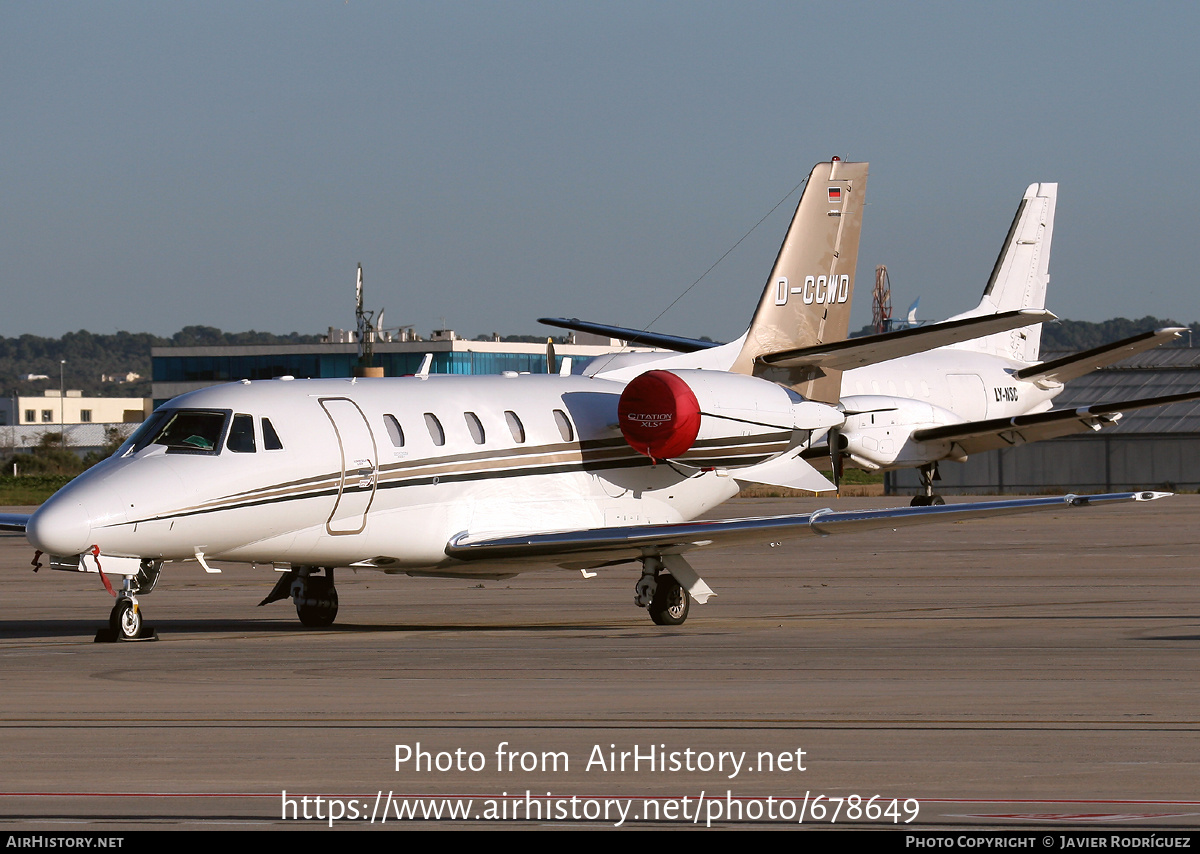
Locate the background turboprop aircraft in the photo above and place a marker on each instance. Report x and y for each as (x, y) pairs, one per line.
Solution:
(910, 409)
(488, 476)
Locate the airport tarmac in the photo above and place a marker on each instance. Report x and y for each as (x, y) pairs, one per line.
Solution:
(1035, 672)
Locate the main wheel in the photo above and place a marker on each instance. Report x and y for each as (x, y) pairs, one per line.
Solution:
(319, 609)
(669, 607)
(125, 620)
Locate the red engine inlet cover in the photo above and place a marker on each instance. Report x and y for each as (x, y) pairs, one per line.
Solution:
(659, 415)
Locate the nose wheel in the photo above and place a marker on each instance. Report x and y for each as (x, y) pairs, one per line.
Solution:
(125, 619)
(125, 623)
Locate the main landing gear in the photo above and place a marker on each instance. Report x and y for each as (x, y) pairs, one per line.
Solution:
(315, 596)
(663, 596)
(125, 619)
(929, 473)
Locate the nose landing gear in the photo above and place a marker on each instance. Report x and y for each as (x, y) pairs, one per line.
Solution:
(125, 619)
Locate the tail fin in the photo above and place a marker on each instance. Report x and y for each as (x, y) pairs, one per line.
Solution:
(807, 298)
(1020, 276)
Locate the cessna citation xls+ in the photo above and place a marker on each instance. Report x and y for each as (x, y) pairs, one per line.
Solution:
(488, 476)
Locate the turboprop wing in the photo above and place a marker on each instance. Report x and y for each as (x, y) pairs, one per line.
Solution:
(974, 437)
(1078, 364)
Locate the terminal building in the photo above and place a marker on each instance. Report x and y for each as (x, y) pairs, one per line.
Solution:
(1157, 448)
(182, 369)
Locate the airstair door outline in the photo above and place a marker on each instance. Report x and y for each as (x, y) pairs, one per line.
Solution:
(360, 468)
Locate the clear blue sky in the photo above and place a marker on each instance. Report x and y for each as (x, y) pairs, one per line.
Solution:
(227, 164)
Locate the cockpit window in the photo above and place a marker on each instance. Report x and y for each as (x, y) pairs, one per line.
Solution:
(241, 435)
(141, 437)
(191, 430)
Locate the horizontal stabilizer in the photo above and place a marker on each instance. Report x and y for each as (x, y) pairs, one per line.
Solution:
(1078, 364)
(873, 349)
(975, 437)
(601, 546)
(631, 336)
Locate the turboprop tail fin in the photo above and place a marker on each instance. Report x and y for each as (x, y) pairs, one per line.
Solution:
(1020, 276)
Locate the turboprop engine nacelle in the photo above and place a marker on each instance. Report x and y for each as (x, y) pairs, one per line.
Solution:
(877, 430)
(687, 414)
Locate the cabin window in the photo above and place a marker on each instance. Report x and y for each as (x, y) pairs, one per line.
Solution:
(515, 426)
(395, 431)
(85, 416)
(241, 435)
(475, 427)
(270, 437)
(30, 416)
(564, 425)
(436, 433)
(47, 416)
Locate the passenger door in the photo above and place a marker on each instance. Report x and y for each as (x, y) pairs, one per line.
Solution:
(359, 466)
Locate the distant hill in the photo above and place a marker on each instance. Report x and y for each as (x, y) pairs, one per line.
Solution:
(1082, 335)
(89, 356)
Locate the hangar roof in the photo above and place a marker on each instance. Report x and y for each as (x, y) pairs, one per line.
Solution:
(1167, 370)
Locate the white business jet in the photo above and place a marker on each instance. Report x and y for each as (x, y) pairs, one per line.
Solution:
(909, 405)
(489, 476)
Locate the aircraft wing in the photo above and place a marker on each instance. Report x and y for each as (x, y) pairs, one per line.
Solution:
(632, 336)
(975, 437)
(872, 349)
(1078, 364)
(601, 546)
(14, 522)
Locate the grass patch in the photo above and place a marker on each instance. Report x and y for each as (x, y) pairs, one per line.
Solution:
(32, 489)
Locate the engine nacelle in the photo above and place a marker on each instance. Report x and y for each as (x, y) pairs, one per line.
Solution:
(716, 418)
(877, 430)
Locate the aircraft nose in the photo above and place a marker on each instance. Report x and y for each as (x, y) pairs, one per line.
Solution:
(60, 527)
